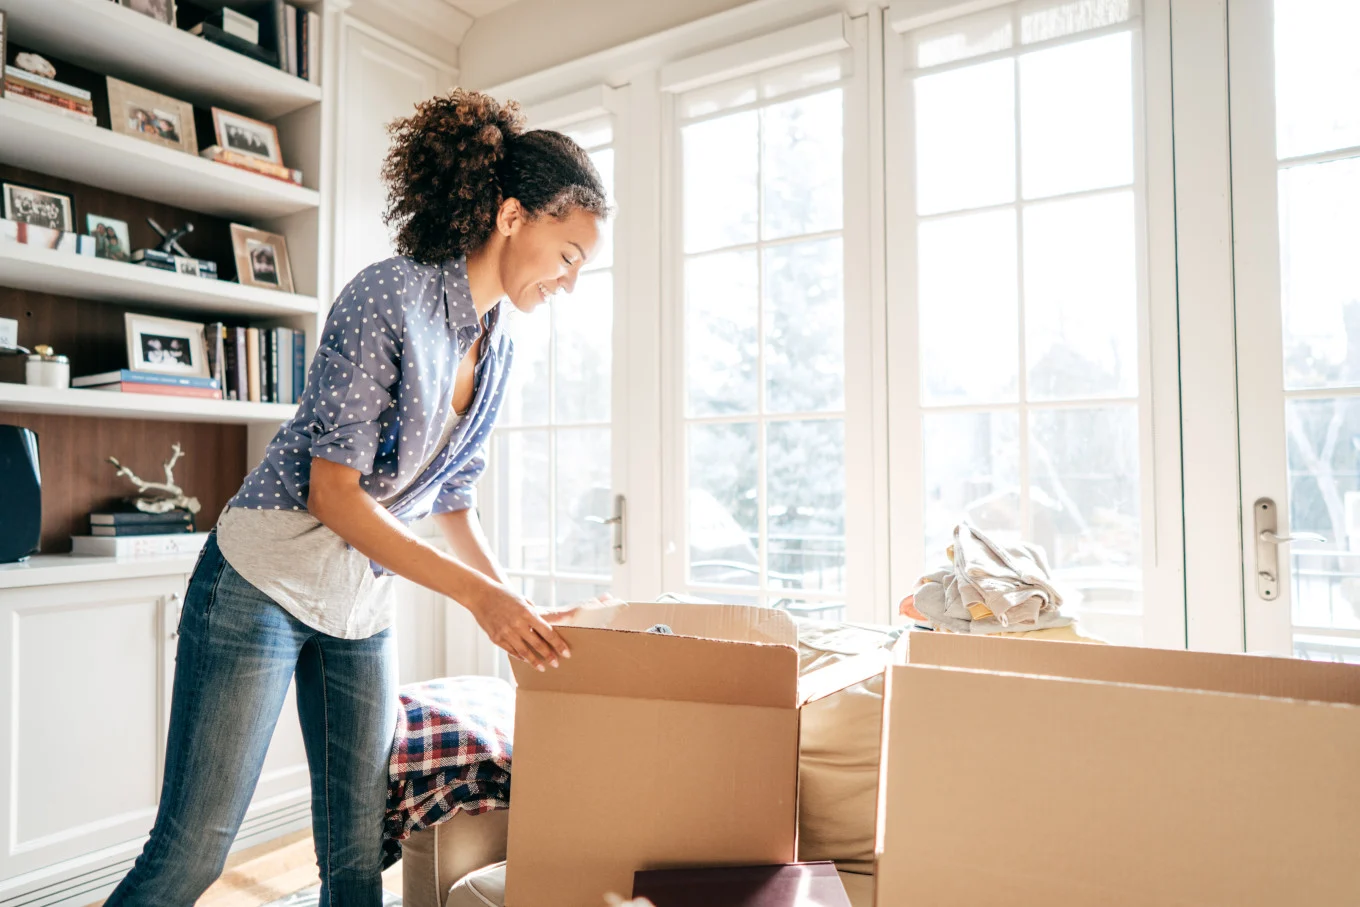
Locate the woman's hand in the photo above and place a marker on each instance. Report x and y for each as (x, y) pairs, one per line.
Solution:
(518, 628)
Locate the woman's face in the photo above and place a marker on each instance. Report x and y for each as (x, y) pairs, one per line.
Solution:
(545, 254)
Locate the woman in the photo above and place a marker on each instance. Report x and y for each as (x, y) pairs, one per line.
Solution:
(408, 377)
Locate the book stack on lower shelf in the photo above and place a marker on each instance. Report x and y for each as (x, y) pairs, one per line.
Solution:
(131, 381)
(135, 533)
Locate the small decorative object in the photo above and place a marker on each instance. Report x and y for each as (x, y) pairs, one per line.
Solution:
(159, 497)
(261, 259)
(160, 10)
(38, 65)
(39, 207)
(170, 238)
(246, 136)
(166, 346)
(46, 369)
(110, 237)
(171, 256)
(150, 116)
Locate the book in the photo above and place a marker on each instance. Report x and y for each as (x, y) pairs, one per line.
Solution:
(231, 22)
(222, 38)
(237, 159)
(140, 518)
(87, 118)
(253, 364)
(242, 380)
(165, 390)
(314, 47)
(285, 365)
(271, 358)
(124, 530)
(23, 75)
(38, 94)
(133, 376)
(299, 364)
(290, 23)
(182, 544)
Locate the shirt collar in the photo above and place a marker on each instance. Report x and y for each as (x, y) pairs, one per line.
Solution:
(459, 309)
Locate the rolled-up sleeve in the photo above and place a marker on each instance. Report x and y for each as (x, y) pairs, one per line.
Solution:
(357, 372)
(459, 492)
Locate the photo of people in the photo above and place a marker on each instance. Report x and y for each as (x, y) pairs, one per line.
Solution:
(264, 264)
(110, 237)
(151, 116)
(38, 207)
(161, 350)
(165, 345)
(246, 136)
(160, 123)
(160, 10)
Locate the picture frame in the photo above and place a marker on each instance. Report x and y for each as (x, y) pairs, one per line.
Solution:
(166, 346)
(243, 135)
(152, 117)
(261, 259)
(160, 10)
(111, 237)
(38, 207)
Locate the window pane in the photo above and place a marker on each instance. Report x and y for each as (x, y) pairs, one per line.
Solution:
(584, 348)
(1085, 513)
(720, 181)
(584, 490)
(538, 591)
(704, 101)
(1316, 67)
(1041, 20)
(604, 255)
(1320, 274)
(1324, 497)
(592, 133)
(972, 471)
(522, 473)
(1081, 311)
(804, 327)
(1076, 116)
(805, 74)
(968, 310)
(806, 504)
(526, 392)
(572, 592)
(958, 39)
(721, 308)
(965, 138)
(722, 501)
(801, 165)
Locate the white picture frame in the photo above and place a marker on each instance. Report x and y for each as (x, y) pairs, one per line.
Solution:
(242, 135)
(166, 346)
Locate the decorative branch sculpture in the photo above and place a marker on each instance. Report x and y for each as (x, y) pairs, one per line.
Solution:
(159, 497)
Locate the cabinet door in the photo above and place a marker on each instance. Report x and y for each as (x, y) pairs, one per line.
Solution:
(82, 716)
(380, 82)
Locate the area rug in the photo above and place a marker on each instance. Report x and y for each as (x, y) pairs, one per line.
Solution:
(311, 897)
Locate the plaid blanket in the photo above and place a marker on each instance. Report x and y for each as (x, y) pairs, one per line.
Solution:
(452, 752)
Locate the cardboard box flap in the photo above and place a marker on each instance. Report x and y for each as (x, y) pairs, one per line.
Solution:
(1254, 675)
(607, 662)
(833, 678)
(737, 623)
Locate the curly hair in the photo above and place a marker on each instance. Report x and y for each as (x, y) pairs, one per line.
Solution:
(458, 157)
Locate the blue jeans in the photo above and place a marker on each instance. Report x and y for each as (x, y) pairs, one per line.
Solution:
(237, 652)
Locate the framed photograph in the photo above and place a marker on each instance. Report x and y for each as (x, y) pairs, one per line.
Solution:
(160, 10)
(39, 207)
(261, 259)
(110, 237)
(166, 345)
(246, 136)
(150, 116)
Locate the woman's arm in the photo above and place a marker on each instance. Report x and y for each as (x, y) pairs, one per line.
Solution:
(336, 499)
(463, 531)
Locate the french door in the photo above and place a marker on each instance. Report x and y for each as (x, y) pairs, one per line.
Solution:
(1295, 113)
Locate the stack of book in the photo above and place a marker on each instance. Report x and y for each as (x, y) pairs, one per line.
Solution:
(228, 28)
(163, 544)
(253, 164)
(260, 365)
(131, 381)
(135, 522)
(33, 90)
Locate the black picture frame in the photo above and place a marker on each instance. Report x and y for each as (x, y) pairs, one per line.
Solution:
(9, 209)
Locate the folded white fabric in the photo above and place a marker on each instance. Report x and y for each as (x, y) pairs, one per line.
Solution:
(990, 588)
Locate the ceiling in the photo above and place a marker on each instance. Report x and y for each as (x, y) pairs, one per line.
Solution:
(436, 27)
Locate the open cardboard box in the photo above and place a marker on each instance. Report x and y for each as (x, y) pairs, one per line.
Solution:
(1023, 772)
(649, 751)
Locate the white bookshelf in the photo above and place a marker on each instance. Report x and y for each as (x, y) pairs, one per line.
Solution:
(54, 569)
(27, 267)
(109, 38)
(49, 143)
(25, 398)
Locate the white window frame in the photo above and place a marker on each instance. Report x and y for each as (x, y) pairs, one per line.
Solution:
(1159, 413)
(865, 443)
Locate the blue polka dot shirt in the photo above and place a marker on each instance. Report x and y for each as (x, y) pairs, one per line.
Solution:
(380, 388)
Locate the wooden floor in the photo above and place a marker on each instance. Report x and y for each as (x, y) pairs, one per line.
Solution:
(271, 871)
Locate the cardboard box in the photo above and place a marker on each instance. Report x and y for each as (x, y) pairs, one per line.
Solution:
(787, 885)
(649, 751)
(1024, 772)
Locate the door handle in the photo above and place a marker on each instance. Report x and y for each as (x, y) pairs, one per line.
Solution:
(1268, 542)
(620, 523)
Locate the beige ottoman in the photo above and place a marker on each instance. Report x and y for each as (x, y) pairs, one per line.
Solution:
(434, 859)
(486, 888)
